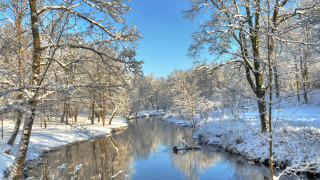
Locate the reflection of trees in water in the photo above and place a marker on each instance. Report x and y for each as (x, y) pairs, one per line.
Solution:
(99, 158)
(243, 170)
(106, 157)
(153, 134)
(145, 136)
(194, 162)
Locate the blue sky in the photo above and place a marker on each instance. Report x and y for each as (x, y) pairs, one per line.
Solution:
(166, 35)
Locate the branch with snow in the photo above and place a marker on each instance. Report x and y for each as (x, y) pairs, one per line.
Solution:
(91, 49)
(301, 167)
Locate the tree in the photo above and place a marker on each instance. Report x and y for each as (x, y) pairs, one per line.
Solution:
(54, 31)
(242, 31)
(238, 28)
(18, 8)
(190, 97)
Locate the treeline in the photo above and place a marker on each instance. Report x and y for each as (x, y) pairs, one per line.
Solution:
(197, 92)
(261, 50)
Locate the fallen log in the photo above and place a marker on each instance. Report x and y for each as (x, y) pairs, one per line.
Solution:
(182, 145)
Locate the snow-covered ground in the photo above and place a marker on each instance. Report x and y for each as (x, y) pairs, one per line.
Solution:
(296, 135)
(177, 120)
(54, 135)
(147, 113)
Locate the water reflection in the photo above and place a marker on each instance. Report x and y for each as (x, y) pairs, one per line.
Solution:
(143, 151)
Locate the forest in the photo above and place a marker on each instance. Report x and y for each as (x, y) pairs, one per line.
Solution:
(257, 96)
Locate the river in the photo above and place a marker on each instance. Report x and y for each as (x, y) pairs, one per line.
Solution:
(143, 151)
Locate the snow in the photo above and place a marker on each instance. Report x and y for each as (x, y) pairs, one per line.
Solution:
(296, 134)
(63, 166)
(116, 174)
(56, 134)
(177, 120)
(78, 167)
(182, 145)
(147, 113)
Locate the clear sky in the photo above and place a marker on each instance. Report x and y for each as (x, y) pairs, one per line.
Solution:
(166, 35)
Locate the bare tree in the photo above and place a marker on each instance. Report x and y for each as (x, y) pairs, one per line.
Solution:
(18, 9)
(241, 24)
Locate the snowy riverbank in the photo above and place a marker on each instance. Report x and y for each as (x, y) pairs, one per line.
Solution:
(147, 113)
(54, 135)
(296, 136)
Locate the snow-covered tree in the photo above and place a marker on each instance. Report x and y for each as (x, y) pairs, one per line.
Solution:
(239, 30)
(66, 36)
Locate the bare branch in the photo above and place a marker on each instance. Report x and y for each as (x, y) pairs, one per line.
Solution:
(68, 9)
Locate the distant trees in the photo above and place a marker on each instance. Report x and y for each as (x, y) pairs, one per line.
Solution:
(148, 92)
(186, 97)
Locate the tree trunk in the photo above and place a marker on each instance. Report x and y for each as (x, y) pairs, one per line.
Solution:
(263, 114)
(76, 115)
(271, 65)
(89, 117)
(112, 115)
(193, 111)
(25, 137)
(304, 72)
(157, 103)
(15, 129)
(20, 96)
(62, 117)
(92, 113)
(67, 113)
(297, 81)
(99, 116)
(257, 85)
(45, 122)
(259, 90)
(2, 125)
(64, 112)
(104, 110)
(260, 93)
(24, 144)
(276, 81)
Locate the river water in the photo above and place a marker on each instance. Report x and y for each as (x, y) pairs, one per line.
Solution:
(143, 151)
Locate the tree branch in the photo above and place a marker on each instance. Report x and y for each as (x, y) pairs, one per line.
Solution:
(91, 49)
(214, 68)
(79, 15)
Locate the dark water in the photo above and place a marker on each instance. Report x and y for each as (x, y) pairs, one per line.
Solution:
(143, 151)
